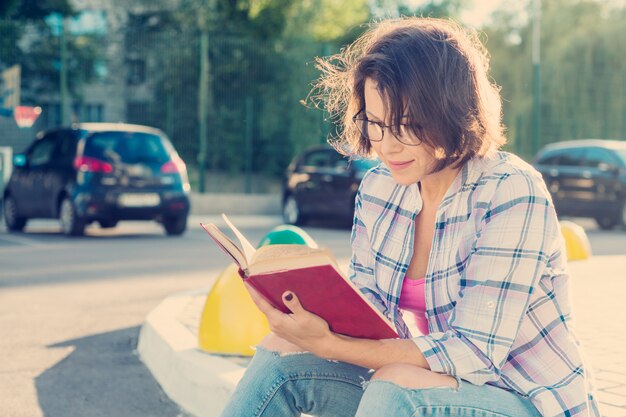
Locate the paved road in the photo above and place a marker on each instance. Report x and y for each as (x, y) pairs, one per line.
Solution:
(70, 311)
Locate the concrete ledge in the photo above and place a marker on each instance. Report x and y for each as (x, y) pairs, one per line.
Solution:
(235, 203)
(202, 383)
(198, 382)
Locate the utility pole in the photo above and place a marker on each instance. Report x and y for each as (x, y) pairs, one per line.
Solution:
(206, 18)
(203, 112)
(63, 73)
(536, 60)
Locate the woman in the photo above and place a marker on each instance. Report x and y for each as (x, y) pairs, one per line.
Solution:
(448, 228)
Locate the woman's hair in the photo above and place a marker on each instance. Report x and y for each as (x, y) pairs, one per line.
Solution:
(432, 71)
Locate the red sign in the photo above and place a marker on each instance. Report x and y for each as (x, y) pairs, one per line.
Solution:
(25, 116)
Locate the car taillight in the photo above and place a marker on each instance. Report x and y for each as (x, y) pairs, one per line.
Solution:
(175, 166)
(89, 164)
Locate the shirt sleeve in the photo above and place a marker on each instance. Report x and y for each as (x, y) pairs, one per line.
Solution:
(514, 240)
(360, 270)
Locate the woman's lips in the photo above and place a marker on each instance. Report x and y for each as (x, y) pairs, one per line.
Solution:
(398, 164)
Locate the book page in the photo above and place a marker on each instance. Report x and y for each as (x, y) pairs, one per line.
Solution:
(226, 244)
(281, 257)
(248, 249)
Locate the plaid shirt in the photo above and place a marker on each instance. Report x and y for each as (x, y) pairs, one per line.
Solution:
(496, 285)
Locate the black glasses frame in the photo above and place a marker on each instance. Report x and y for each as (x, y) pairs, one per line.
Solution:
(356, 119)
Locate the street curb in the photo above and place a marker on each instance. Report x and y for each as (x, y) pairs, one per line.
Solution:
(202, 383)
(198, 382)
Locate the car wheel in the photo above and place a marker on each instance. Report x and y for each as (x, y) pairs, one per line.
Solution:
(107, 223)
(291, 211)
(13, 221)
(175, 226)
(607, 222)
(71, 223)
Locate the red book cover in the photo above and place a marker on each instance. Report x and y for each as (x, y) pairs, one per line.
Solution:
(323, 291)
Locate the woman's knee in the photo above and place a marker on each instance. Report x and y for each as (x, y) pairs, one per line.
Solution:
(413, 377)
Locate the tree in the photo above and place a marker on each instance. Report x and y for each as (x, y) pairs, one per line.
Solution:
(583, 70)
(33, 10)
(434, 8)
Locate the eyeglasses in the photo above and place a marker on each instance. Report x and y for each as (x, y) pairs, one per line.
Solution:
(375, 131)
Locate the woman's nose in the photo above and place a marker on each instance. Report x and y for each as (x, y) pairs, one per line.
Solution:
(389, 143)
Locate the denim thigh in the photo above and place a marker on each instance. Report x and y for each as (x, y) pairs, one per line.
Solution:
(467, 400)
(288, 385)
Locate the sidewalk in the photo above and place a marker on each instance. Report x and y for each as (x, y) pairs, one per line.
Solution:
(201, 383)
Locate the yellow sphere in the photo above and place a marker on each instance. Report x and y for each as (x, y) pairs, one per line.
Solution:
(230, 322)
(577, 244)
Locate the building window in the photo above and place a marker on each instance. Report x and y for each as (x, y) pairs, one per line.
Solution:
(91, 112)
(136, 71)
(50, 115)
(138, 112)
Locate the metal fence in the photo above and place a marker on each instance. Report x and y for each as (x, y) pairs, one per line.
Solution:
(253, 112)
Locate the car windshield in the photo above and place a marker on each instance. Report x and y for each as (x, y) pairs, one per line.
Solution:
(127, 147)
(364, 164)
(622, 154)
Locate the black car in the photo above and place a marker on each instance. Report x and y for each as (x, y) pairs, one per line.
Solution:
(587, 178)
(322, 183)
(98, 172)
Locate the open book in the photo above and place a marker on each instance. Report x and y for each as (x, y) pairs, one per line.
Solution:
(310, 273)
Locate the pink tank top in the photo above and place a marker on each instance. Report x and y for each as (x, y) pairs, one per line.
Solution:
(413, 299)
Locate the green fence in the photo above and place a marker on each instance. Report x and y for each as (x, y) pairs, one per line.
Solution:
(255, 120)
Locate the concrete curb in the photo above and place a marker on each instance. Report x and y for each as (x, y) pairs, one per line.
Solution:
(202, 383)
(199, 382)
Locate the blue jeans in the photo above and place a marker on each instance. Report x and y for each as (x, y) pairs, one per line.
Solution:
(292, 384)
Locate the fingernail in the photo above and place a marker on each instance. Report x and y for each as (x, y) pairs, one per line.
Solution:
(289, 297)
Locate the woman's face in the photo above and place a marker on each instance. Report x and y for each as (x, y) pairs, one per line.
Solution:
(408, 164)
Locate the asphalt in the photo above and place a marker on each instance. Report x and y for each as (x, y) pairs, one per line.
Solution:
(201, 383)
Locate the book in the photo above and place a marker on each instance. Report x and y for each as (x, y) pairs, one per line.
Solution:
(310, 273)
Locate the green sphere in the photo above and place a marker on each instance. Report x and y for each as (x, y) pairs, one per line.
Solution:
(288, 235)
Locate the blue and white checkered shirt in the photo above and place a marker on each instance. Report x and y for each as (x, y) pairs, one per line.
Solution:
(496, 285)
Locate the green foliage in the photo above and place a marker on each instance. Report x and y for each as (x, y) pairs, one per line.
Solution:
(262, 66)
(41, 61)
(33, 9)
(583, 72)
(434, 8)
(326, 20)
(260, 61)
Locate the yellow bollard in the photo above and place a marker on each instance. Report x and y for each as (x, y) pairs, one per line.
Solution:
(577, 245)
(230, 322)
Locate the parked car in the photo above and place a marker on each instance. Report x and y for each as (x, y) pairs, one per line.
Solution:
(320, 182)
(587, 178)
(98, 172)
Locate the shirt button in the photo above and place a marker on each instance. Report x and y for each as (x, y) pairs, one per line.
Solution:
(491, 304)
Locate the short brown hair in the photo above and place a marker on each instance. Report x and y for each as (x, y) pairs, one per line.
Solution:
(431, 70)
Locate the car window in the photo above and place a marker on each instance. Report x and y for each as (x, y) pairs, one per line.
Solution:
(41, 153)
(572, 157)
(65, 150)
(596, 157)
(621, 153)
(127, 147)
(549, 158)
(321, 159)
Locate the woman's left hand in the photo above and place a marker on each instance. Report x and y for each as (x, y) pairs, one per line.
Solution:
(300, 327)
